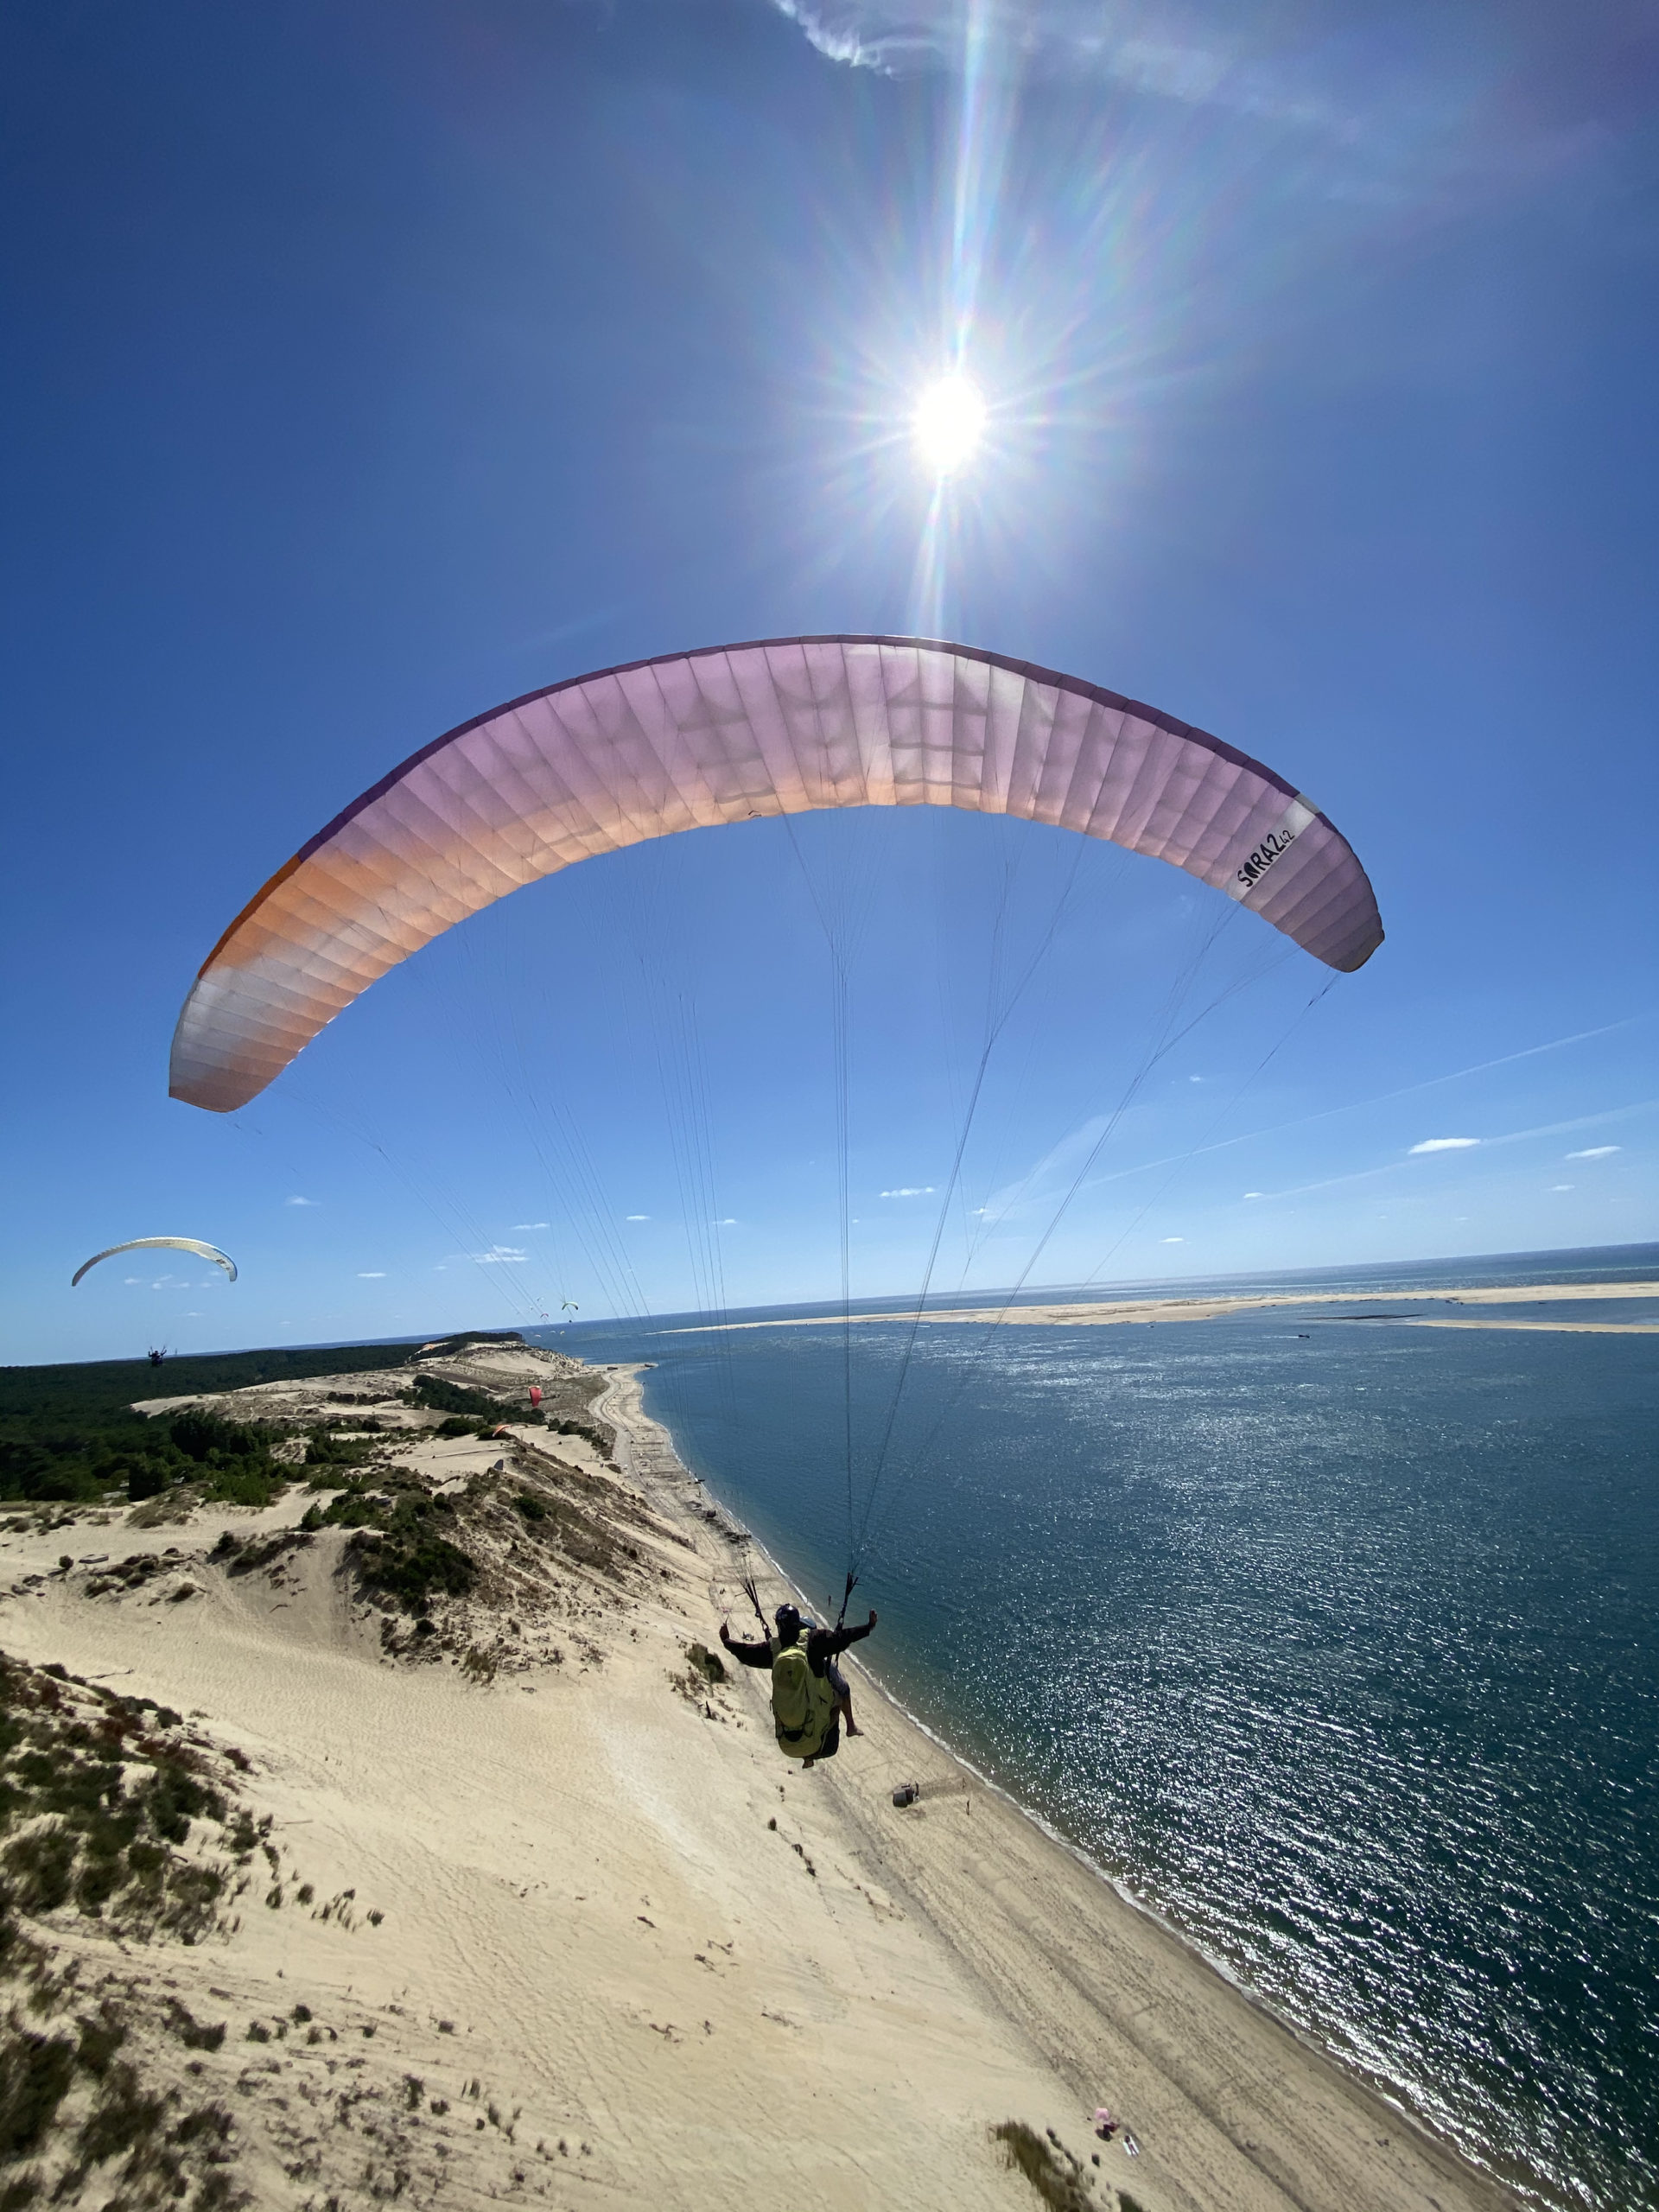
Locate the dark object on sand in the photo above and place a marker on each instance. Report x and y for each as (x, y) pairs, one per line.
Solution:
(907, 1793)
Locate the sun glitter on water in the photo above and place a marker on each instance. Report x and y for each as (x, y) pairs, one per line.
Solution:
(949, 423)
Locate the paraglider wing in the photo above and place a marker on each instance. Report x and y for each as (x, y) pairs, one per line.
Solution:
(694, 740)
(159, 1243)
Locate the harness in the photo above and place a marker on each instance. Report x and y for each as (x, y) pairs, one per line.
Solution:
(802, 1703)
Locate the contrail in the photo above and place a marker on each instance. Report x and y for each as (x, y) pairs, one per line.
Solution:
(1355, 1105)
(1484, 1144)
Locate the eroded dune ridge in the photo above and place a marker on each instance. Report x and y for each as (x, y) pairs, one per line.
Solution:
(406, 1839)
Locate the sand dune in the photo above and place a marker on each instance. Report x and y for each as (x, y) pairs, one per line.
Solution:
(637, 1958)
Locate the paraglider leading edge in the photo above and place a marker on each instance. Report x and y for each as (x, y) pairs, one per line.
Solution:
(160, 1243)
(732, 733)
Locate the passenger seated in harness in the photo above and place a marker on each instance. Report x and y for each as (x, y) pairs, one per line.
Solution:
(810, 1696)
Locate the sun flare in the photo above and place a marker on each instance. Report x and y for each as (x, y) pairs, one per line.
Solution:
(949, 423)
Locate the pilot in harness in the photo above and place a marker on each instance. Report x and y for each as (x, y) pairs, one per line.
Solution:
(810, 1696)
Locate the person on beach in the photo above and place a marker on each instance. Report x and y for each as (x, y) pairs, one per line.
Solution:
(810, 1696)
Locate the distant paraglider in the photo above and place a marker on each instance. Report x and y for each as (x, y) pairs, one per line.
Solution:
(161, 1243)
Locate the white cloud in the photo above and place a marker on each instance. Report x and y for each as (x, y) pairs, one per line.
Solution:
(1171, 1240)
(300, 1202)
(132, 1279)
(637, 1216)
(531, 1225)
(498, 1255)
(1256, 1194)
(1445, 1144)
(911, 1191)
(1560, 1186)
(371, 1275)
(1595, 1152)
(730, 1221)
(1470, 94)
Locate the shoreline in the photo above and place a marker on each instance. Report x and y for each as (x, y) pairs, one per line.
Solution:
(1388, 2101)
(1148, 1312)
(592, 1909)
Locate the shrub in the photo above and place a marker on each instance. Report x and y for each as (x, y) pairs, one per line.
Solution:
(441, 1397)
(244, 1485)
(199, 1434)
(324, 1449)
(52, 1470)
(410, 1563)
(36, 2076)
(1057, 2181)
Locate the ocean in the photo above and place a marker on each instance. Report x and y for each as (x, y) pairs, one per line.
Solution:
(1332, 1639)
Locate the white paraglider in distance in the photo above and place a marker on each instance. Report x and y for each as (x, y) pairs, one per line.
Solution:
(160, 1244)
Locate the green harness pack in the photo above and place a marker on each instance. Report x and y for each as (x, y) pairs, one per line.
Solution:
(802, 1703)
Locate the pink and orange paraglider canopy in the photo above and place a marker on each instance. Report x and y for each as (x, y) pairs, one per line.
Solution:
(729, 735)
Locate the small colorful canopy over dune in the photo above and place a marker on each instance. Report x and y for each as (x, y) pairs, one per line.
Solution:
(729, 735)
(161, 1243)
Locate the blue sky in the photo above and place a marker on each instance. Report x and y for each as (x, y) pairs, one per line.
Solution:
(374, 363)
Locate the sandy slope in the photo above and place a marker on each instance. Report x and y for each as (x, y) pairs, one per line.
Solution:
(614, 1920)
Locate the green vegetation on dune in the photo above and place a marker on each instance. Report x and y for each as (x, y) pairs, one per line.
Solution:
(404, 1541)
(456, 1399)
(113, 1811)
(103, 1389)
(69, 1433)
(230, 1460)
(97, 1793)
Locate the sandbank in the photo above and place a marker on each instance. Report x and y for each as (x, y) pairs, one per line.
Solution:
(625, 1954)
(1101, 1313)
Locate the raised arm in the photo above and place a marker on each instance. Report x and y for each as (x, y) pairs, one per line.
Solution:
(837, 1639)
(747, 1655)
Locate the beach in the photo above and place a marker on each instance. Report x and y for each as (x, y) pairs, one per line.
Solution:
(636, 1957)
(1141, 1313)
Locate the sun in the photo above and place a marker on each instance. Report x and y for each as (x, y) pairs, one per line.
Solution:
(949, 423)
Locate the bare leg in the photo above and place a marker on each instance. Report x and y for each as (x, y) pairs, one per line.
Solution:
(844, 1707)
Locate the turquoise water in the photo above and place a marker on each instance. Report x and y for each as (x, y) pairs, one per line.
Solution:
(1335, 1639)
